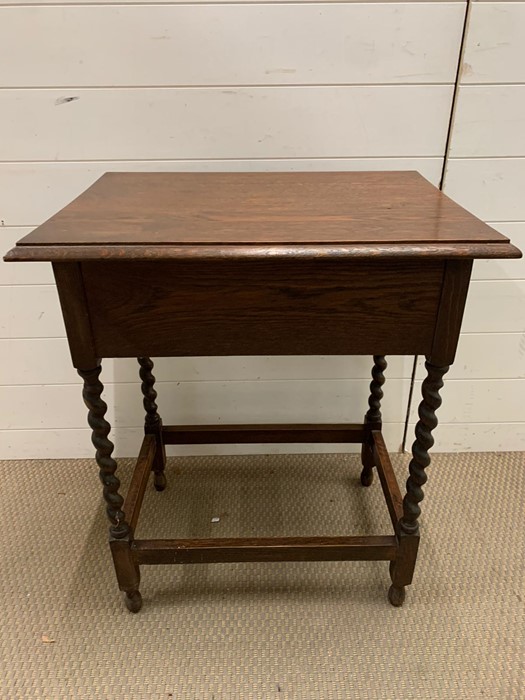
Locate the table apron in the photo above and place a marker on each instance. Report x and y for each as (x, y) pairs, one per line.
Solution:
(269, 307)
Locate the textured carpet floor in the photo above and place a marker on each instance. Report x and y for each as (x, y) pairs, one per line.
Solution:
(307, 631)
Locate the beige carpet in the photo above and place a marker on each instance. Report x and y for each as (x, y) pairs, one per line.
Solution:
(318, 631)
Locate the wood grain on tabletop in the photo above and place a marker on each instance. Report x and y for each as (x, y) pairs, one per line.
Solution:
(261, 208)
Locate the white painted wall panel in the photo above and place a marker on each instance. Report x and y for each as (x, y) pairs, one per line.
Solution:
(61, 406)
(47, 361)
(474, 437)
(32, 192)
(489, 121)
(30, 312)
(495, 307)
(10, 3)
(486, 174)
(496, 51)
(491, 188)
(492, 306)
(482, 401)
(504, 269)
(63, 444)
(487, 356)
(224, 123)
(317, 119)
(10, 274)
(178, 45)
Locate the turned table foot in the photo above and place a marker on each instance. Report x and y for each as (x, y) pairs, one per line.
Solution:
(396, 595)
(367, 476)
(159, 481)
(133, 601)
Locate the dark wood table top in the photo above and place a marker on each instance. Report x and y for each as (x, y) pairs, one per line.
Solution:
(166, 215)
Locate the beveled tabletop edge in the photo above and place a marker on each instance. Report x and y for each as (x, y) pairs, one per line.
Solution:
(67, 253)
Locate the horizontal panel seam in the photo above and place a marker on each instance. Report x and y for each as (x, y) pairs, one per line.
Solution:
(491, 332)
(52, 285)
(63, 337)
(443, 423)
(500, 157)
(473, 380)
(283, 380)
(451, 3)
(237, 86)
(15, 285)
(364, 380)
(117, 428)
(215, 160)
(475, 85)
(141, 428)
(495, 280)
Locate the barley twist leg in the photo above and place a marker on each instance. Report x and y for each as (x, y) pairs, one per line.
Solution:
(402, 569)
(373, 416)
(152, 420)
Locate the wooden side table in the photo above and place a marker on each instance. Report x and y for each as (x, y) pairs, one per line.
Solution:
(262, 264)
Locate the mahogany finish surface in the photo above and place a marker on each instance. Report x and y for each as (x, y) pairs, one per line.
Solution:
(370, 548)
(153, 210)
(246, 434)
(269, 307)
(187, 264)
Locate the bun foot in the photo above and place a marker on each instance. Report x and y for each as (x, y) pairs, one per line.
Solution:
(159, 481)
(396, 596)
(367, 476)
(133, 601)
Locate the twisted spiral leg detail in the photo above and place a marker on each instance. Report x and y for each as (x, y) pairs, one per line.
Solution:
(97, 408)
(147, 387)
(430, 389)
(152, 420)
(373, 415)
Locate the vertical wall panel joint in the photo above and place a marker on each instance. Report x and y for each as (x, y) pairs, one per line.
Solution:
(459, 69)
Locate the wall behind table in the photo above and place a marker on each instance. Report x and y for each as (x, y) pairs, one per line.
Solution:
(88, 88)
(484, 407)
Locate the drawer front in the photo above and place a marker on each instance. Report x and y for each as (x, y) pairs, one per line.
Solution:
(262, 307)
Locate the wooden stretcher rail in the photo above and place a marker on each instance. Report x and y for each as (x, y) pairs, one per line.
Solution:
(393, 497)
(200, 551)
(139, 480)
(279, 433)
